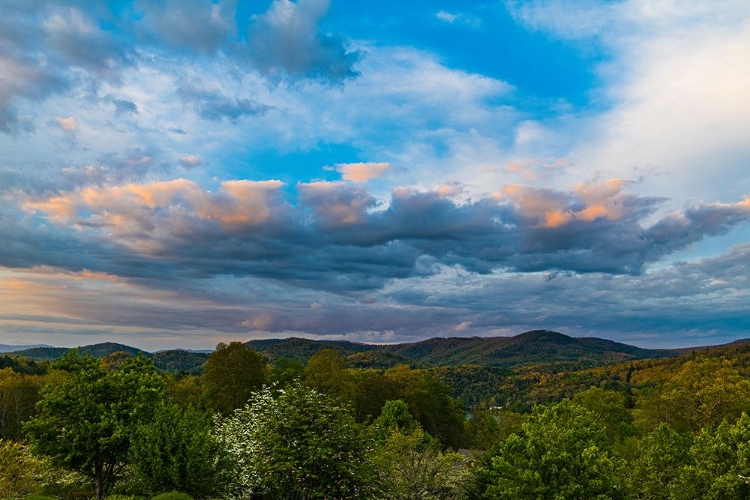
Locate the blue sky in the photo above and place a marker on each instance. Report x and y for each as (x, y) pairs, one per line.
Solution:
(176, 174)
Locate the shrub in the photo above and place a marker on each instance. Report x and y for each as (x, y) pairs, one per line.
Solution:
(173, 495)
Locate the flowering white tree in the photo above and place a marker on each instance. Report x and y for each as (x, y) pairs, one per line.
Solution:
(296, 443)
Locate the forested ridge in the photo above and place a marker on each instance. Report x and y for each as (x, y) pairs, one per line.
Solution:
(341, 421)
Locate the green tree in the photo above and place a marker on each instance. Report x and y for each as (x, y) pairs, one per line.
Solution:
(412, 466)
(430, 404)
(86, 420)
(177, 451)
(560, 454)
(326, 372)
(231, 375)
(18, 396)
(394, 417)
(702, 394)
(720, 468)
(490, 426)
(608, 408)
(18, 470)
(374, 389)
(661, 457)
(296, 443)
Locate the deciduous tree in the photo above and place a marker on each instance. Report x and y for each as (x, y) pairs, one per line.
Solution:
(560, 454)
(231, 375)
(87, 419)
(297, 443)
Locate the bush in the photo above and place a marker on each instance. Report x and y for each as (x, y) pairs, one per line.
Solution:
(173, 495)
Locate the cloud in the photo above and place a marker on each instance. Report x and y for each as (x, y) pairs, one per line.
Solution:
(202, 26)
(286, 40)
(336, 204)
(464, 19)
(212, 104)
(20, 77)
(362, 172)
(672, 91)
(71, 33)
(191, 161)
(68, 124)
(338, 236)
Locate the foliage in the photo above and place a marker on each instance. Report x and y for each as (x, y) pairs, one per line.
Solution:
(430, 404)
(19, 394)
(86, 421)
(394, 417)
(18, 470)
(23, 365)
(411, 466)
(608, 408)
(561, 454)
(177, 451)
(184, 391)
(179, 361)
(231, 374)
(661, 457)
(303, 349)
(489, 426)
(326, 372)
(296, 443)
(703, 393)
(172, 495)
(720, 466)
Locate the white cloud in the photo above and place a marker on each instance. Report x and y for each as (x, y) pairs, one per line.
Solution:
(675, 88)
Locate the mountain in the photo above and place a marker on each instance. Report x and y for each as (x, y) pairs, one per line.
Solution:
(534, 347)
(538, 346)
(179, 360)
(13, 348)
(96, 350)
(302, 349)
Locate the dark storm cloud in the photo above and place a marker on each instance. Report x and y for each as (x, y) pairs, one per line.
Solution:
(338, 239)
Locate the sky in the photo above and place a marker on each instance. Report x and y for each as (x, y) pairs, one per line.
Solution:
(178, 174)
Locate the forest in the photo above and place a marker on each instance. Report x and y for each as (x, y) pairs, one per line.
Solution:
(306, 420)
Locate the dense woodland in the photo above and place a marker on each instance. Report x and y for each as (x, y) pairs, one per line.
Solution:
(442, 419)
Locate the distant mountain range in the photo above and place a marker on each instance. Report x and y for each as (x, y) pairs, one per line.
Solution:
(13, 348)
(534, 347)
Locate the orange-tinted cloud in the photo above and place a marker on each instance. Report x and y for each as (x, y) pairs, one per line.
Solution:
(362, 172)
(552, 209)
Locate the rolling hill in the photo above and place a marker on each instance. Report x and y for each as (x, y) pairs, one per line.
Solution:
(538, 346)
(530, 348)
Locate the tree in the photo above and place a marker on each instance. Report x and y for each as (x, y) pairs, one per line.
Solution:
(18, 470)
(177, 451)
(490, 426)
(661, 457)
(231, 375)
(326, 372)
(412, 466)
(608, 408)
(87, 419)
(296, 443)
(430, 404)
(702, 394)
(18, 396)
(560, 454)
(394, 417)
(720, 467)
